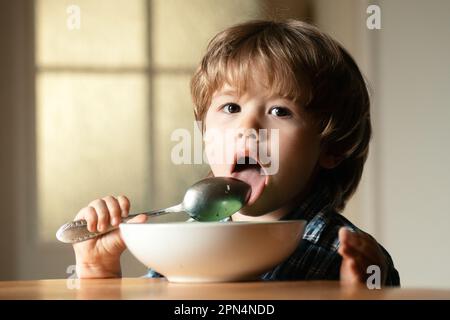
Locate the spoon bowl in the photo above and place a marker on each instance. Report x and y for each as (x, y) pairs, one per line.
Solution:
(213, 199)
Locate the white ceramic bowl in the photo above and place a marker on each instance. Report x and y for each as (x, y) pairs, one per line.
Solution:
(212, 251)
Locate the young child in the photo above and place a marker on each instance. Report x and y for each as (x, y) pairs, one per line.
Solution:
(292, 78)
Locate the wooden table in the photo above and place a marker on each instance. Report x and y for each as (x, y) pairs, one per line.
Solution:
(140, 288)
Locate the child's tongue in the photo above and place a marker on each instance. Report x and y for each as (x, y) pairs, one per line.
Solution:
(252, 176)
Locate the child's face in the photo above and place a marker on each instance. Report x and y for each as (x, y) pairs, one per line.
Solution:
(298, 149)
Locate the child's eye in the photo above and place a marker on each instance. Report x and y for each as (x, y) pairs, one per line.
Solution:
(231, 108)
(280, 111)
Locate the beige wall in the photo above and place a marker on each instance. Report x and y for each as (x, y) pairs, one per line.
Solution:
(404, 198)
(23, 256)
(414, 98)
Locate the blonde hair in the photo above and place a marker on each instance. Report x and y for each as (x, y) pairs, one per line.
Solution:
(306, 65)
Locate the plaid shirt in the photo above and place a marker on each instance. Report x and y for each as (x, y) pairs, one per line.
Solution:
(316, 257)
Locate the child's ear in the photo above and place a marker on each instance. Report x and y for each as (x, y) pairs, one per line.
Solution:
(329, 161)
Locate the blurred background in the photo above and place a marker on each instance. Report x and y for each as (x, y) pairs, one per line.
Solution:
(87, 110)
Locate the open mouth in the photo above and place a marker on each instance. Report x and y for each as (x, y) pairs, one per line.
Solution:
(250, 171)
(247, 163)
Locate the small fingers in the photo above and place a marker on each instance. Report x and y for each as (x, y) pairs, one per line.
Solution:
(89, 214)
(346, 239)
(362, 258)
(124, 204)
(114, 210)
(354, 263)
(354, 239)
(349, 236)
(102, 212)
(344, 234)
(138, 219)
(346, 250)
(361, 242)
(357, 269)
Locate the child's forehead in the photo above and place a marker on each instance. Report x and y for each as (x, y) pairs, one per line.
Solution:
(225, 90)
(252, 89)
(255, 73)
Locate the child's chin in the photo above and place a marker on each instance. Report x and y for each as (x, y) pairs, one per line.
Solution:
(251, 212)
(258, 208)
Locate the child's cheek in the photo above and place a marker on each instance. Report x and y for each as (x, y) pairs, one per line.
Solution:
(298, 154)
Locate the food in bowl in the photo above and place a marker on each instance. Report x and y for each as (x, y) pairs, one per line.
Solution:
(212, 251)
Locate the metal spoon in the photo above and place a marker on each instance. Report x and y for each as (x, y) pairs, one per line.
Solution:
(210, 199)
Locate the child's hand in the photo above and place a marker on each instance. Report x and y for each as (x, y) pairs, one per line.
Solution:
(100, 257)
(359, 250)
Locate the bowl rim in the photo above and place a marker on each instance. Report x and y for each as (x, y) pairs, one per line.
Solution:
(211, 223)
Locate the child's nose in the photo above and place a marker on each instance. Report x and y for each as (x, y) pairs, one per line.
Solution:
(248, 129)
(249, 134)
(250, 123)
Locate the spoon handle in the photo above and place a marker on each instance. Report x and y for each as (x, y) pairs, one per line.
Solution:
(77, 231)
